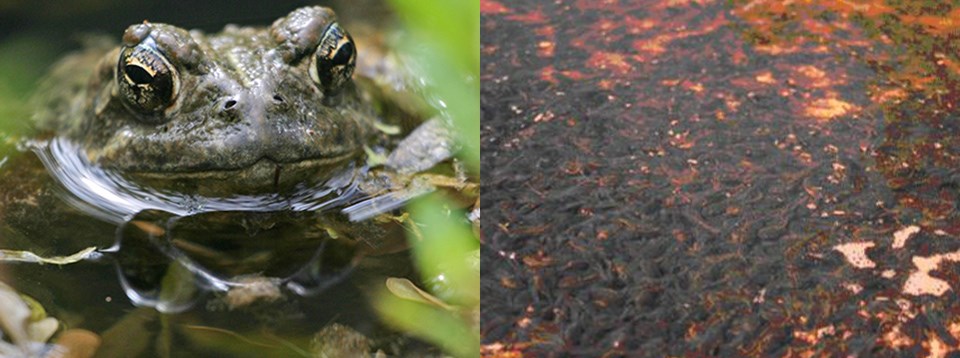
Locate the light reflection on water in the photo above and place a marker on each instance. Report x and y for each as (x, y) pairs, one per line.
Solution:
(108, 196)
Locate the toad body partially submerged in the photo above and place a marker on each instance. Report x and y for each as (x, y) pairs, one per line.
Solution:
(246, 110)
(257, 163)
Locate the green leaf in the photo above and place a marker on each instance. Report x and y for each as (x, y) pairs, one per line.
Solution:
(436, 325)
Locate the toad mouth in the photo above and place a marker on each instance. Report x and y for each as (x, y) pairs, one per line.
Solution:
(263, 171)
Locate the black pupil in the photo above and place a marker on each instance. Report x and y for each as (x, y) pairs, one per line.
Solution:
(343, 55)
(138, 74)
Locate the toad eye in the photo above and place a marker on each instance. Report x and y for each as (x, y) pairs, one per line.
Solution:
(147, 82)
(334, 60)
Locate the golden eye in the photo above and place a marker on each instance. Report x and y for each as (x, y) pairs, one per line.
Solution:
(147, 82)
(334, 60)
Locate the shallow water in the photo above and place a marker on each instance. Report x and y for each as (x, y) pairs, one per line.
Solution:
(720, 178)
(175, 274)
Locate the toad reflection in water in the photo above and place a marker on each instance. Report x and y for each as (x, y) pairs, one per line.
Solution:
(759, 178)
(252, 161)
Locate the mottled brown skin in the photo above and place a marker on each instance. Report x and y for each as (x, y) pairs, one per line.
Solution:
(247, 116)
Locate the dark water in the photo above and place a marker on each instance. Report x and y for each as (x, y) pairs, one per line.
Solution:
(164, 280)
(746, 178)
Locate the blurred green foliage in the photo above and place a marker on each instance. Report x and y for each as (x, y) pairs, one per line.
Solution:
(23, 60)
(444, 38)
(444, 252)
(433, 324)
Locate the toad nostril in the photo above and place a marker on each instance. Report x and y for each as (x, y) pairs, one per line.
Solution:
(277, 98)
(229, 104)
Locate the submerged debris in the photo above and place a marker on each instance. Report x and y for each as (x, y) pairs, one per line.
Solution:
(75, 343)
(27, 256)
(24, 324)
(337, 340)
